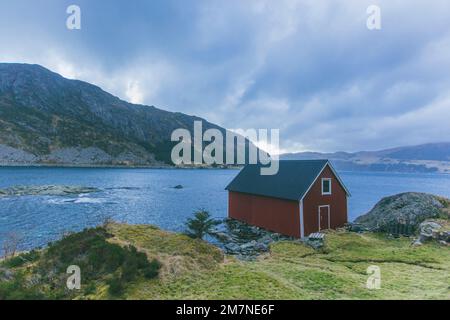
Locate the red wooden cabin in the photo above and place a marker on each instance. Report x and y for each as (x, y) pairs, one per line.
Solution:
(304, 197)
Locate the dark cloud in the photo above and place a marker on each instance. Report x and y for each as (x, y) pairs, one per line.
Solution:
(309, 68)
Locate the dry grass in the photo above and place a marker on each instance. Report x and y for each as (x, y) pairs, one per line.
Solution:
(196, 270)
(178, 253)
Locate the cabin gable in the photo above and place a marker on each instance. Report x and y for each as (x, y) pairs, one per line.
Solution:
(316, 202)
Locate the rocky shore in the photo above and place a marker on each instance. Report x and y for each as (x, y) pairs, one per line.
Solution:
(243, 240)
(246, 242)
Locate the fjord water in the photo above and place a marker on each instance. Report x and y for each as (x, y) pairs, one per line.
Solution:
(148, 196)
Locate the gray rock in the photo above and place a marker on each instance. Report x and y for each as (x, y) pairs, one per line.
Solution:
(429, 228)
(314, 243)
(445, 236)
(223, 237)
(248, 245)
(262, 247)
(232, 247)
(89, 155)
(356, 227)
(432, 230)
(240, 239)
(266, 239)
(406, 210)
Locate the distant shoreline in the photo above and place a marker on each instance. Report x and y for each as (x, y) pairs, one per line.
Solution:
(91, 166)
(162, 167)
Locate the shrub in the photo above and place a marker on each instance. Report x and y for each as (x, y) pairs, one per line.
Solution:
(22, 259)
(15, 289)
(152, 270)
(201, 225)
(116, 287)
(90, 288)
(129, 270)
(97, 258)
(136, 263)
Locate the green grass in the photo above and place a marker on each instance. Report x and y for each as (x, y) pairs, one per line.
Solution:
(295, 271)
(193, 269)
(43, 274)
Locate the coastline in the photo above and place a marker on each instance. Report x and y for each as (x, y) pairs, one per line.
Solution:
(169, 167)
(105, 166)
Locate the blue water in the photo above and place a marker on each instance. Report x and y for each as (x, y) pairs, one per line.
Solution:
(148, 196)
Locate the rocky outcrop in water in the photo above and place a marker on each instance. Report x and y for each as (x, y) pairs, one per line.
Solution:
(403, 212)
(51, 190)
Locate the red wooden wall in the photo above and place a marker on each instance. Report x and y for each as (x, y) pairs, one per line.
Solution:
(282, 216)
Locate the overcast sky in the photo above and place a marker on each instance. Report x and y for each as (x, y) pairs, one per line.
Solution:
(309, 68)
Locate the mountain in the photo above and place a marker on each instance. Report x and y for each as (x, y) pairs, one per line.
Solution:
(48, 119)
(430, 151)
(431, 157)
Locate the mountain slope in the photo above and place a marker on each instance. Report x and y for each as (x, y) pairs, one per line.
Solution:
(45, 118)
(431, 157)
(429, 151)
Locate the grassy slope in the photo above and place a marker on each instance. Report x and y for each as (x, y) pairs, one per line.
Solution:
(195, 270)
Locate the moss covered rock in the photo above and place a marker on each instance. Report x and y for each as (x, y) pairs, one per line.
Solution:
(404, 212)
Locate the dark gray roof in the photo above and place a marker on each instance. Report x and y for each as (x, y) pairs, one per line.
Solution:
(292, 181)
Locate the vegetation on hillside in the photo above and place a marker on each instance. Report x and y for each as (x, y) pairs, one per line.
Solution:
(43, 274)
(194, 269)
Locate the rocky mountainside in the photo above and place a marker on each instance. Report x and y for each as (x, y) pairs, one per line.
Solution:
(48, 119)
(431, 157)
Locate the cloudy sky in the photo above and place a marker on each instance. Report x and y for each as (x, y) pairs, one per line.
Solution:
(309, 68)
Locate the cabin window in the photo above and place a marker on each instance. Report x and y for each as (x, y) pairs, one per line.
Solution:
(326, 186)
